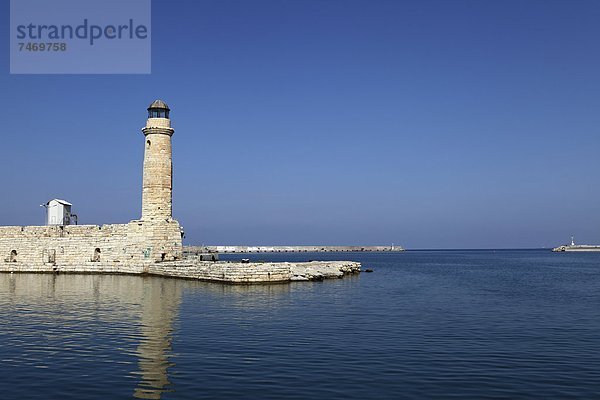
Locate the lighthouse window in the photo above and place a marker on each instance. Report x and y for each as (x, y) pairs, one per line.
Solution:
(158, 113)
(148, 143)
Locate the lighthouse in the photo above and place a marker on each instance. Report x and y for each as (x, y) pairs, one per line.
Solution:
(157, 231)
(157, 188)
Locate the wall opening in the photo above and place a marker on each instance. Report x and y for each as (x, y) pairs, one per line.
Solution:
(163, 256)
(50, 256)
(13, 256)
(96, 257)
(148, 143)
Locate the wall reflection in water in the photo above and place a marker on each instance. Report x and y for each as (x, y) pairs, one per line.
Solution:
(62, 322)
(68, 310)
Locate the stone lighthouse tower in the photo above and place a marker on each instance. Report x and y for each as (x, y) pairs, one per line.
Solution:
(157, 189)
(157, 232)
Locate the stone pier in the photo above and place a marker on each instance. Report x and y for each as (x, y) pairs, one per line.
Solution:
(224, 272)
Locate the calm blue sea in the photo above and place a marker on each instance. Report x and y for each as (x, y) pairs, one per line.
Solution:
(425, 325)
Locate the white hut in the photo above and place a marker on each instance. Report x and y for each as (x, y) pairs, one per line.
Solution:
(58, 212)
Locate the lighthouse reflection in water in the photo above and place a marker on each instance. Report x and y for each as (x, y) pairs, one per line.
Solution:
(92, 332)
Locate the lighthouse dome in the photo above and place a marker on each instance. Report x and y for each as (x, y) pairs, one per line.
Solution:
(158, 109)
(159, 104)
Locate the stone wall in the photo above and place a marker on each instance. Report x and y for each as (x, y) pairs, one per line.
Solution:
(225, 272)
(134, 243)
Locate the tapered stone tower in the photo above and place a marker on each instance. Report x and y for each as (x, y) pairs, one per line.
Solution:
(157, 190)
(157, 232)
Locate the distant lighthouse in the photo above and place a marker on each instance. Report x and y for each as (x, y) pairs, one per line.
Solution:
(157, 188)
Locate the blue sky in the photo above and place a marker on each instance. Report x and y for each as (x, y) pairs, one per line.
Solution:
(430, 124)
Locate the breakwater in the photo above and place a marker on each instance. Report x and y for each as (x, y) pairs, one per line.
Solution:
(577, 247)
(291, 249)
(220, 271)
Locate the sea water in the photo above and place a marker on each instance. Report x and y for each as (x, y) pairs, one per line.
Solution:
(425, 324)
